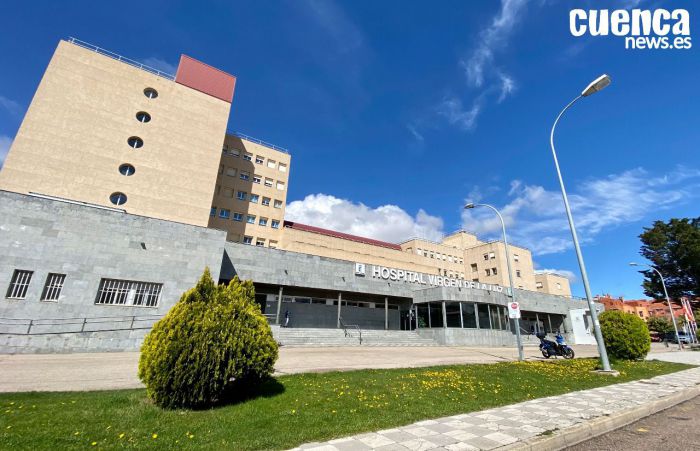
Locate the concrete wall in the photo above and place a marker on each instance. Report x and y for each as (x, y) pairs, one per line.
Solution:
(87, 244)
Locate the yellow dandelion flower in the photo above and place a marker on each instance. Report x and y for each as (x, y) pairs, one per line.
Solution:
(155, 436)
(121, 435)
(93, 443)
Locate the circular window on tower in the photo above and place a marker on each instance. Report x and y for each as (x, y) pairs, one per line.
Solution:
(142, 116)
(126, 169)
(150, 93)
(135, 142)
(118, 198)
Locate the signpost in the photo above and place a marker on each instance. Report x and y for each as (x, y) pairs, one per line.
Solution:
(514, 310)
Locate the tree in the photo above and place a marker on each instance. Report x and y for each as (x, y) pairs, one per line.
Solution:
(659, 324)
(213, 342)
(673, 248)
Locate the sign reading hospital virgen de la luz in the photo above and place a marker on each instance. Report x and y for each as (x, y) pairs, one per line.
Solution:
(394, 274)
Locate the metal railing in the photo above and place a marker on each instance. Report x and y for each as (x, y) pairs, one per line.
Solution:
(353, 326)
(121, 58)
(54, 326)
(258, 141)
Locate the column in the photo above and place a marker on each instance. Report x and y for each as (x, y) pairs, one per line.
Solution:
(537, 322)
(549, 320)
(476, 315)
(386, 313)
(279, 306)
(340, 301)
(461, 318)
(444, 315)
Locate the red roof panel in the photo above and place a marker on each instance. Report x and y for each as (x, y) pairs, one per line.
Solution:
(344, 236)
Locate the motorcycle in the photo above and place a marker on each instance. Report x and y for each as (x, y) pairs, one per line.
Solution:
(550, 348)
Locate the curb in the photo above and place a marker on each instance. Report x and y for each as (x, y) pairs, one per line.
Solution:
(601, 425)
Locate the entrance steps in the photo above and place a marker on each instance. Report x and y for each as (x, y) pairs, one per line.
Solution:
(336, 337)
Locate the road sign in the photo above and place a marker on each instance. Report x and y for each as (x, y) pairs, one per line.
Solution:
(514, 310)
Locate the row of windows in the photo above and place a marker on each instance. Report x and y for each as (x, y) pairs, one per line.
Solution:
(439, 256)
(245, 175)
(110, 292)
(225, 213)
(243, 195)
(492, 255)
(282, 167)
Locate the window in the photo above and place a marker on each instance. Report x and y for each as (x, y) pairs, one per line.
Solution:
(259, 159)
(231, 172)
(247, 240)
(278, 203)
(474, 267)
(492, 255)
(53, 287)
(227, 192)
(516, 257)
(224, 213)
(128, 292)
(245, 175)
(280, 186)
(517, 273)
(212, 212)
(419, 251)
(247, 156)
(449, 258)
(250, 219)
(488, 272)
(257, 179)
(260, 242)
(486, 256)
(19, 284)
(266, 201)
(241, 195)
(275, 224)
(538, 285)
(126, 169)
(117, 198)
(271, 164)
(558, 286)
(494, 271)
(150, 93)
(142, 116)
(262, 221)
(237, 217)
(283, 167)
(135, 142)
(273, 244)
(268, 182)
(254, 198)
(235, 153)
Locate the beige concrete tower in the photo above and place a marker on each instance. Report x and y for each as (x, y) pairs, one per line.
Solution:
(110, 132)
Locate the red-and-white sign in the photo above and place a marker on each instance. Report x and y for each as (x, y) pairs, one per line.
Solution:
(514, 310)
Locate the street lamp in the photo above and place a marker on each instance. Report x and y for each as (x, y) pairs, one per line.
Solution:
(668, 299)
(595, 86)
(510, 272)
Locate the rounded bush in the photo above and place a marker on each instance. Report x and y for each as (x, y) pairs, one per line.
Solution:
(626, 335)
(213, 342)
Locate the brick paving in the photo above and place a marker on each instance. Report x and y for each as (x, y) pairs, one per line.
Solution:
(494, 428)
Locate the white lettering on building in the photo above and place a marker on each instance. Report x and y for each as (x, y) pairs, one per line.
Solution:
(394, 274)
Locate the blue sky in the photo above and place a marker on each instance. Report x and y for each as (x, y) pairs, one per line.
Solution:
(397, 112)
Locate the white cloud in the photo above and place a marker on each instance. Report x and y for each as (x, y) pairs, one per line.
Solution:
(411, 128)
(160, 64)
(452, 109)
(562, 272)
(386, 222)
(491, 39)
(12, 107)
(507, 86)
(535, 216)
(5, 143)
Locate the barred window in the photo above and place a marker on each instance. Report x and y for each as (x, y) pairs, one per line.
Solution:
(53, 287)
(128, 292)
(19, 284)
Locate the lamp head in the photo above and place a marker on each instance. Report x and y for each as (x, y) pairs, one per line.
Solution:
(469, 206)
(597, 85)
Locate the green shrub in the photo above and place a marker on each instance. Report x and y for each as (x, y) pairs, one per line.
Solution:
(626, 335)
(213, 336)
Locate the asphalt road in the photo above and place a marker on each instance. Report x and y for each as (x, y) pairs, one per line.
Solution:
(677, 428)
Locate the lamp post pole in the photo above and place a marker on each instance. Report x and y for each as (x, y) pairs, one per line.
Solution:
(521, 357)
(598, 84)
(668, 299)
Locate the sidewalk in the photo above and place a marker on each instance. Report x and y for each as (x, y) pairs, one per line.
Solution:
(539, 424)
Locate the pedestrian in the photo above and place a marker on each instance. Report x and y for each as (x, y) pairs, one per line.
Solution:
(286, 318)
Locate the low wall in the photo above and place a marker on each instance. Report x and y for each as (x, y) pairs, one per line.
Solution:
(478, 337)
(113, 341)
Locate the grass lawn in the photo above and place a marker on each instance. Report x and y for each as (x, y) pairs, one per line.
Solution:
(294, 409)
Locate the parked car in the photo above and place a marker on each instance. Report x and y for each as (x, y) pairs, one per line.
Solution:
(655, 337)
(684, 338)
